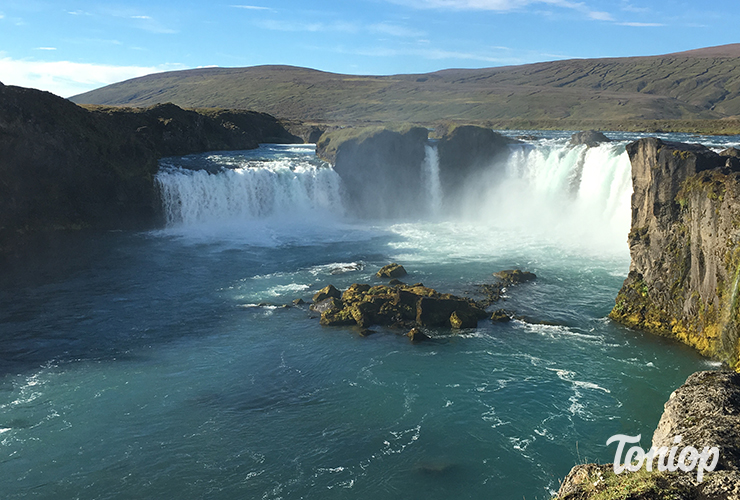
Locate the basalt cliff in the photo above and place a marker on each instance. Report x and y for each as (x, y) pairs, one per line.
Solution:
(685, 246)
(65, 166)
(385, 169)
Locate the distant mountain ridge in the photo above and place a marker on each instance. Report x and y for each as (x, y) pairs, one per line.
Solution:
(697, 84)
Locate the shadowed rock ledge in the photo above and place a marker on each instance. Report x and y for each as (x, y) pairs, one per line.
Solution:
(385, 169)
(65, 166)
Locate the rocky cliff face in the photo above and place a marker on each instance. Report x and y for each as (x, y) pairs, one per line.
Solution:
(382, 167)
(705, 412)
(685, 247)
(64, 166)
(464, 152)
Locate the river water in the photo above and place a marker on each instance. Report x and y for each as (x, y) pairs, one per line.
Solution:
(164, 364)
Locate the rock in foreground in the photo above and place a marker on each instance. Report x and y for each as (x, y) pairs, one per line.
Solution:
(402, 305)
(705, 411)
(391, 271)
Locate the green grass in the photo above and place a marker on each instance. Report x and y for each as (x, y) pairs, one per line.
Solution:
(643, 93)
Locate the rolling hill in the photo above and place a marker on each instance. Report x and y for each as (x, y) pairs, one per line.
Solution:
(699, 84)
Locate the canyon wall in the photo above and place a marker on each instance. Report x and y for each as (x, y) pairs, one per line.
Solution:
(685, 246)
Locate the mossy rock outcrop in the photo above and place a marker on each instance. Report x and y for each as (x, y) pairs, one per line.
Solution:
(683, 280)
(391, 271)
(401, 305)
(515, 276)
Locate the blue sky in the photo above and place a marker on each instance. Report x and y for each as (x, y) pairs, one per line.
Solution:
(69, 47)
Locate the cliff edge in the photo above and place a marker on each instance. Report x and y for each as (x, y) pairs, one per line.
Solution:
(705, 412)
(64, 166)
(685, 247)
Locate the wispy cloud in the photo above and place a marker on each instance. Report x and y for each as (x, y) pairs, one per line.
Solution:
(642, 25)
(147, 23)
(390, 29)
(628, 7)
(339, 26)
(426, 53)
(251, 7)
(45, 48)
(503, 6)
(67, 78)
(600, 16)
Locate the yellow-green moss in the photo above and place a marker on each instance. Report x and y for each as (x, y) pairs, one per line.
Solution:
(604, 484)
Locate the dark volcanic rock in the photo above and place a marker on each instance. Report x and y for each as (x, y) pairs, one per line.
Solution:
(416, 335)
(409, 305)
(590, 138)
(467, 151)
(380, 168)
(500, 316)
(326, 292)
(515, 276)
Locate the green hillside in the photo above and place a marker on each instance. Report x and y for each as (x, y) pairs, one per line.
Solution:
(696, 85)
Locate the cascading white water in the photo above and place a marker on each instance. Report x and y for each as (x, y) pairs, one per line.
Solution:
(430, 179)
(575, 195)
(267, 189)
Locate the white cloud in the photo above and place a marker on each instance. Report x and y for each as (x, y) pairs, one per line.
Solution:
(250, 7)
(503, 6)
(317, 27)
(642, 25)
(46, 48)
(600, 16)
(65, 78)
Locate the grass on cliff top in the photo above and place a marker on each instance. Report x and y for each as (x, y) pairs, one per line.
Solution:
(331, 140)
(604, 484)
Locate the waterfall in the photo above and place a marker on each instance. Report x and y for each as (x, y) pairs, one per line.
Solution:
(430, 180)
(280, 188)
(574, 194)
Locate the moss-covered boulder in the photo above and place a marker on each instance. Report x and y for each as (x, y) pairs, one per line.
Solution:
(500, 316)
(515, 276)
(327, 292)
(391, 271)
(402, 305)
(416, 335)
